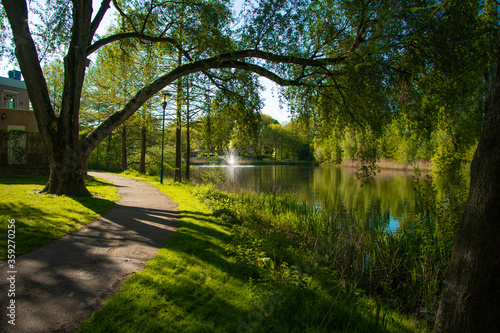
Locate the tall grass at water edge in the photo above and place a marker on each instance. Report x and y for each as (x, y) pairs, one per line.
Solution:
(295, 243)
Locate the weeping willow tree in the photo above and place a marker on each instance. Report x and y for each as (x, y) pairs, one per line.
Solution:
(341, 54)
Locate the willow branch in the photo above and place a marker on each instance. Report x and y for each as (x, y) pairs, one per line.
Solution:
(284, 59)
(126, 35)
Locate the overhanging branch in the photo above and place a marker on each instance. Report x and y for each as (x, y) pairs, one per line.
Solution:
(284, 59)
(259, 70)
(227, 60)
(125, 35)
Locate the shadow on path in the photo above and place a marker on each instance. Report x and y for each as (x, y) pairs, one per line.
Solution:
(62, 283)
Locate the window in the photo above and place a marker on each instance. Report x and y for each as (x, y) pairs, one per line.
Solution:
(17, 144)
(9, 100)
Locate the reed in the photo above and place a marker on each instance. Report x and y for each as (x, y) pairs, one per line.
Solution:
(403, 269)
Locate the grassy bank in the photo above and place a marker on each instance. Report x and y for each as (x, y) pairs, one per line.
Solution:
(224, 271)
(41, 218)
(292, 241)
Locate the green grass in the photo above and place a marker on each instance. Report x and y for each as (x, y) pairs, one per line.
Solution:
(192, 285)
(214, 275)
(40, 218)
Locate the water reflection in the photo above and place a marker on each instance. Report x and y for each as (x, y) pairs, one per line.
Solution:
(388, 202)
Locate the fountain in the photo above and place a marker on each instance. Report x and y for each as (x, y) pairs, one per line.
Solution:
(231, 157)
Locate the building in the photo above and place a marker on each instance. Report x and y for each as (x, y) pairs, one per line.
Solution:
(16, 119)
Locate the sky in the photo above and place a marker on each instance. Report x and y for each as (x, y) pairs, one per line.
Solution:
(269, 94)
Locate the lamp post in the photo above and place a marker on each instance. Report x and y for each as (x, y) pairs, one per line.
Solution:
(164, 98)
(97, 148)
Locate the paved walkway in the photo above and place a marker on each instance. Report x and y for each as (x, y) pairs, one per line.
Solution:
(62, 283)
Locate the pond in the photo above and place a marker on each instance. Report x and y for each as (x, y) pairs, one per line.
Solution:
(389, 200)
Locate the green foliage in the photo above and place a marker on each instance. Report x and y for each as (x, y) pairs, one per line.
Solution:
(421, 99)
(446, 159)
(54, 74)
(4, 33)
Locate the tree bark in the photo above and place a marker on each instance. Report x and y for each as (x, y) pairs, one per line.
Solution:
(470, 301)
(178, 135)
(67, 174)
(124, 148)
(188, 134)
(142, 163)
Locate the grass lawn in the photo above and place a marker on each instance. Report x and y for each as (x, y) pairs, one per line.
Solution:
(192, 285)
(195, 284)
(40, 218)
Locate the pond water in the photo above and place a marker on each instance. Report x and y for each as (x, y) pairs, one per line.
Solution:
(389, 200)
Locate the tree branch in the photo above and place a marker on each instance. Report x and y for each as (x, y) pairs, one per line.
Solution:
(227, 60)
(99, 16)
(27, 55)
(125, 35)
(262, 72)
(122, 14)
(276, 58)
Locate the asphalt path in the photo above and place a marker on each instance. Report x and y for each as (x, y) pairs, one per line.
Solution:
(62, 283)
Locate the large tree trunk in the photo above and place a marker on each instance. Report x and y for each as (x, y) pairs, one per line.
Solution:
(66, 180)
(470, 301)
(67, 174)
(59, 132)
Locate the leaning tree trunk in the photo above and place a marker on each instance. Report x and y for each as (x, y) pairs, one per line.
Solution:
(470, 301)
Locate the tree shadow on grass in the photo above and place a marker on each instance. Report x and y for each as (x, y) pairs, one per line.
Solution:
(69, 277)
(23, 180)
(28, 235)
(178, 303)
(98, 205)
(210, 218)
(36, 227)
(284, 307)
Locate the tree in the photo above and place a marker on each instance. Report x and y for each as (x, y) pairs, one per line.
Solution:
(72, 29)
(469, 302)
(440, 59)
(108, 83)
(348, 52)
(195, 103)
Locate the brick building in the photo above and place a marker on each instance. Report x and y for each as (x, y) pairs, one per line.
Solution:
(17, 122)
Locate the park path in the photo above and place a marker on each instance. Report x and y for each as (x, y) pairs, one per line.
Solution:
(60, 284)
